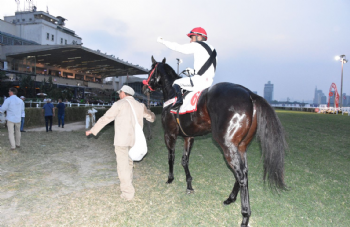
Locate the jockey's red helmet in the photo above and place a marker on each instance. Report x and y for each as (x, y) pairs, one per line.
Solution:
(198, 31)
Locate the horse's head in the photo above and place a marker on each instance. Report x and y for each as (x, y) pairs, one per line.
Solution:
(153, 81)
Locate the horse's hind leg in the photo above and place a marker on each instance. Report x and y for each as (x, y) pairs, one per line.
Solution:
(185, 159)
(238, 162)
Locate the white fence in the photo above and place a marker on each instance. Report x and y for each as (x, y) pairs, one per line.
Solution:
(334, 110)
(321, 109)
(41, 104)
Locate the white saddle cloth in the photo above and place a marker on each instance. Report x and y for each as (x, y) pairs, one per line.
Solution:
(189, 103)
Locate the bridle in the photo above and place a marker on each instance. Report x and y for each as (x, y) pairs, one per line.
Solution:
(145, 82)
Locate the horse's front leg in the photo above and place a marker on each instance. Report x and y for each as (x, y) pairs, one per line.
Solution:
(185, 160)
(170, 141)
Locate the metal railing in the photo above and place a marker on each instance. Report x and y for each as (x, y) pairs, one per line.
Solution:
(69, 104)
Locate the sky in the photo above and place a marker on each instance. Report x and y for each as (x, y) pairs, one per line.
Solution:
(292, 43)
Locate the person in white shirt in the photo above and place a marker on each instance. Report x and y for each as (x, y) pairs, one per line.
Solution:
(205, 61)
(14, 107)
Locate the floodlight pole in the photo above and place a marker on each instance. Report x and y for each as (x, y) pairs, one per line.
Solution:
(179, 61)
(341, 89)
(343, 60)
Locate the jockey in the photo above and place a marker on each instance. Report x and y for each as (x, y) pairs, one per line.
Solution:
(204, 63)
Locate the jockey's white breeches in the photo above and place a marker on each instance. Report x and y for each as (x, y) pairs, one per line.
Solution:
(199, 82)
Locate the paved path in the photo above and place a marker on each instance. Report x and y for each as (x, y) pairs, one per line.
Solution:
(67, 127)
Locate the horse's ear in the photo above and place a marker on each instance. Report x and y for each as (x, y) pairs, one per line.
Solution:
(153, 61)
(164, 60)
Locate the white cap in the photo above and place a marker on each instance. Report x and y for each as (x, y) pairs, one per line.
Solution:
(22, 97)
(127, 89)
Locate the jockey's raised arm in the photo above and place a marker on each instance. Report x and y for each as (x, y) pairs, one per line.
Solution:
(204, 62)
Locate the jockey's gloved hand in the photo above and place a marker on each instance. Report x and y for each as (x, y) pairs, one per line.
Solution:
(190, 71)
(160, 39)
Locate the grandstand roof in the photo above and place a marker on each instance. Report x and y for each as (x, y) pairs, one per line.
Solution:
(77, 58)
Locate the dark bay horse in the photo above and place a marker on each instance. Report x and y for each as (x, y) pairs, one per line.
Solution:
(234, 115)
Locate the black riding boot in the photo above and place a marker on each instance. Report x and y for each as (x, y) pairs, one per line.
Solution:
(178, 95)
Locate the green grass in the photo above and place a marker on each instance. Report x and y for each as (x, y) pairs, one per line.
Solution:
(66, 179)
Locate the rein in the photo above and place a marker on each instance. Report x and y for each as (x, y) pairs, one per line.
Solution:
(145, 82)
(149, 136)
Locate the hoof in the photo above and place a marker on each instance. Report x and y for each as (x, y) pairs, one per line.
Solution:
(189, 191)
(228, 201)
(170, 181)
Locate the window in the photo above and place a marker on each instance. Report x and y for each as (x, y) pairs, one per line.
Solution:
(52, 37)
(23, 19)
(30, 19)
(61, 40)
(47, 36)
(65, 41)
(17, 20)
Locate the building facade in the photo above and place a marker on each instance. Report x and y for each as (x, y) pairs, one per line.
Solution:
(268, 91)
(39, 27)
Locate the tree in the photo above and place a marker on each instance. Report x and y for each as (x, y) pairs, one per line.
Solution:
(4, 87)
(3, 75)
(58, 93)
(26, 85)
(46, 85)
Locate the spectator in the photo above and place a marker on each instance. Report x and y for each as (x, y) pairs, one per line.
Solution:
(23, 113)
(60, 114)
(14, 107)
(48, 113)
(124, 137)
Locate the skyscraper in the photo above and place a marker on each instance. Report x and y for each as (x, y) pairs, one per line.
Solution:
(319, 97)
(268, 92)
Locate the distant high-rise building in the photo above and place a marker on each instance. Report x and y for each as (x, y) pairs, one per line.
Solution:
(346, 101)
(268, 91)
(319, 97)
(331, 99)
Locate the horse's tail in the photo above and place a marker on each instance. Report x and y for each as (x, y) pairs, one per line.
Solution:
(271, 137)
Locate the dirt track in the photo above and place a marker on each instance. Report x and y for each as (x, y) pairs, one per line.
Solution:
(48, 166)
(67, 127)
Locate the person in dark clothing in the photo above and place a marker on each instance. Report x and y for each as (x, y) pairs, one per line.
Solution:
(48, 112)
(60, 114)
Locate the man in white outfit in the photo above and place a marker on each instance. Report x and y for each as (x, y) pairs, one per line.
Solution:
(14, 107)
(204, 63)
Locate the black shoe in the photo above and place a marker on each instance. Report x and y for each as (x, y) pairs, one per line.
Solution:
(62, 126)
(178, 95)
(23, 131)
(50, 130)
(59, 126)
